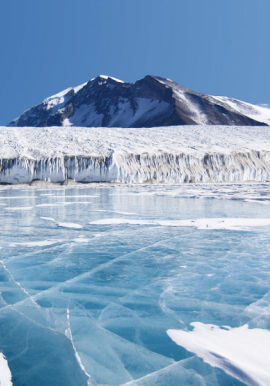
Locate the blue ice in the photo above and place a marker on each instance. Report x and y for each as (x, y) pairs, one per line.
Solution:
(85, 301)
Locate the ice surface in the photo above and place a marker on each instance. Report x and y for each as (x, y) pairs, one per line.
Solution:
(68, 334)
(164, 154)
(127, 276)
(36, 243)
(22, 208)
(201, 223)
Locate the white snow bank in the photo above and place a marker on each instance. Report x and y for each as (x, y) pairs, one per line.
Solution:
(165, 154)
(5, 374)
(241, 352)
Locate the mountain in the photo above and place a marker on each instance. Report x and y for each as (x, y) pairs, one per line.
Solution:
(152, 101)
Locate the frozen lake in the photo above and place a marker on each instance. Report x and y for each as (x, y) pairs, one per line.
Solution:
(96, 283)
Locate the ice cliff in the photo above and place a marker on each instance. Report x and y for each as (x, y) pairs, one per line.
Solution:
(140, 168)
(170, 155)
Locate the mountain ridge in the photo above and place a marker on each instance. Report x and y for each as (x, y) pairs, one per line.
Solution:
(149, 102)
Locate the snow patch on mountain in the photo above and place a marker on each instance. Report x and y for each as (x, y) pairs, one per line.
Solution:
(58, 100)
(86, 115)
(258, 112)
(110, 77)
(145, 110)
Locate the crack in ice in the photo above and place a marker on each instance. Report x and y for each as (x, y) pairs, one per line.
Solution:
(68, 334)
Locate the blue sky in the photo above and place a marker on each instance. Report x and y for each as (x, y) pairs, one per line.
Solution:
(219, 47)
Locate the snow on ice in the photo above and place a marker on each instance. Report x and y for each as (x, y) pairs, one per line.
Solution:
(240, 352)
(5, 374)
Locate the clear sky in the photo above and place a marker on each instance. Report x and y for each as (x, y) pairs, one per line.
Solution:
(218, 47)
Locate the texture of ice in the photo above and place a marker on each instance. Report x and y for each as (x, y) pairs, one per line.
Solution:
(93, 304)
(240, 352)
(201, 223)
(5, 374)
(164, 154)
(19, 208)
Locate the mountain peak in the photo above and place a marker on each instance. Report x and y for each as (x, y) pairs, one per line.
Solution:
(106, 78)
(105, 101)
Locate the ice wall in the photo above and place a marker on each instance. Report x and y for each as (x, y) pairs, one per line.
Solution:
(124, 167)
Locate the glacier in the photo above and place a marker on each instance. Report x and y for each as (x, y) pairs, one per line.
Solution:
(135, 285)
(171, 155)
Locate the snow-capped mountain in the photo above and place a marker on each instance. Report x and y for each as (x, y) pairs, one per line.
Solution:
(152, 101)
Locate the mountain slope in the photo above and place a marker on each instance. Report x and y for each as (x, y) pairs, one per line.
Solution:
(149, 102)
